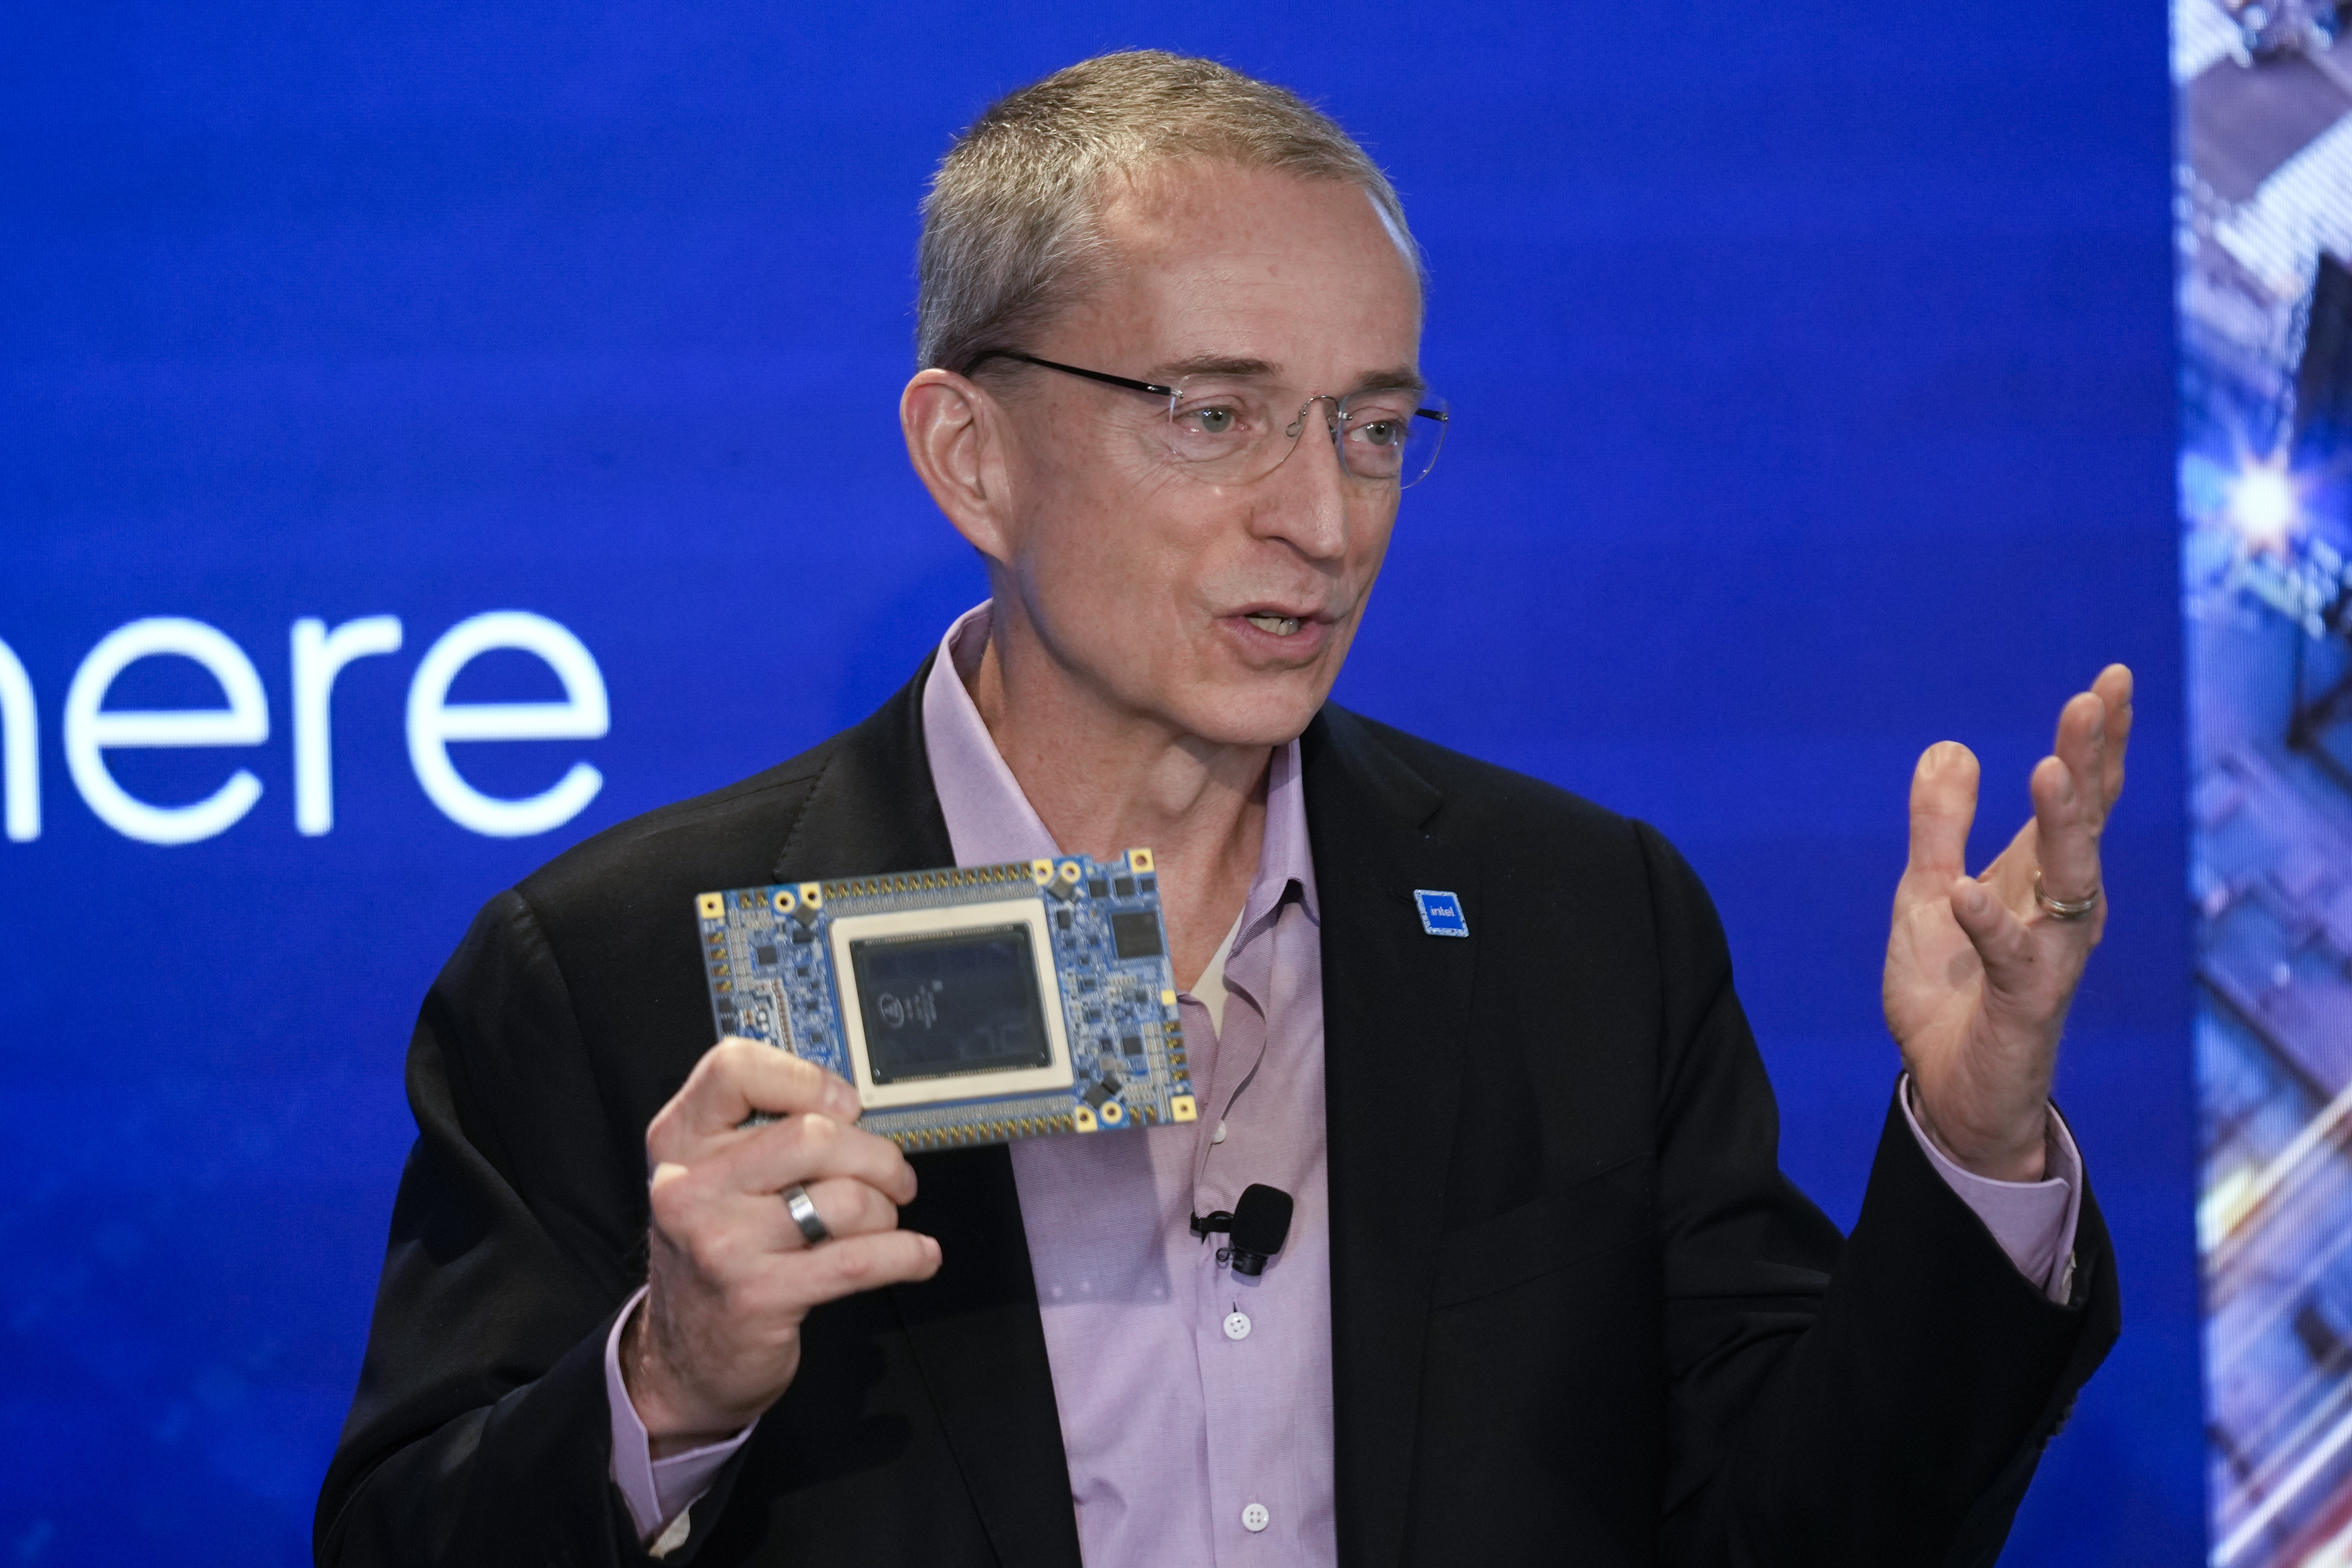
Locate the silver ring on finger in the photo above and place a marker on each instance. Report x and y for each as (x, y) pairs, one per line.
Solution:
(803, 1209)
(2059, 908)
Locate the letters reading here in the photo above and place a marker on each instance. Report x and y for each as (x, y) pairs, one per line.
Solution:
(89, 729)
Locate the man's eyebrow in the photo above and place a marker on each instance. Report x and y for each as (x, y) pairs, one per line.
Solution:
(1403, 376)
(1264, 370)
(1213, 364)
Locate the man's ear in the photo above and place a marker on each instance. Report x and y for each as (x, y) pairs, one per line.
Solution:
(955, 437)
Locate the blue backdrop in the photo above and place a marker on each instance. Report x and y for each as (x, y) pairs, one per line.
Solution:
(1811, 372)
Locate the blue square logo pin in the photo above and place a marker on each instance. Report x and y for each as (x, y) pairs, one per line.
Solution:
(1440, 912)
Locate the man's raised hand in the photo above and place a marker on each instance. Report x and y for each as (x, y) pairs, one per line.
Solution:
(1980, 970)
(731, 1277)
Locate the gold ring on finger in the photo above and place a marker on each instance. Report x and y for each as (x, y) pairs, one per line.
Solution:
(2059, 908)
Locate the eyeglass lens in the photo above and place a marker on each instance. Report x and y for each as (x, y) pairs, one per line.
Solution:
(1229, 432)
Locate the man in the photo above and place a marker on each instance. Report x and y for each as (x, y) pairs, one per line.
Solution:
(1546, 1294)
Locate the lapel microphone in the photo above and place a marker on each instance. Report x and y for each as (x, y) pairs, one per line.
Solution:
(1254, 1226)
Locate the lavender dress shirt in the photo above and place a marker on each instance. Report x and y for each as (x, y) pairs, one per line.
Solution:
(1196, 1404)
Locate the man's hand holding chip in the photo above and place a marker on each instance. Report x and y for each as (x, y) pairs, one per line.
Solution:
(731, 1275)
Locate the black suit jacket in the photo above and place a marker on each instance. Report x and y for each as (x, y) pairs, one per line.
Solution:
(1578, 1314)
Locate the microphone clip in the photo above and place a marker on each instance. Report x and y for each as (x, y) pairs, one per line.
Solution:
(1255, 1227)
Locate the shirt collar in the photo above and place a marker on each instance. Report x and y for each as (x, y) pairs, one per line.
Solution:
(989, 820)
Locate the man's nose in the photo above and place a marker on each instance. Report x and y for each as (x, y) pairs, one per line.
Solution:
(1311, 492)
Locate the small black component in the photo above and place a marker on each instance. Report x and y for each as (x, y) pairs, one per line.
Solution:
(1259, 1224)
(1109, 1084)
(1147, 884)
(1097, 889)
(1094, 1015)
(946, 1003)
(1136, 935)
(803, 934)
(1086, 983)
(1062, 920)
(1097, 1094)
(764, 955)
(727, 1003)
(1123, 886)
(1131, 1045)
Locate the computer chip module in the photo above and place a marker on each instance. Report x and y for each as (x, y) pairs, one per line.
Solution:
(968, 1004)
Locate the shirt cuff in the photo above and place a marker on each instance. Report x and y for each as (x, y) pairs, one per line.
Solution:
(2033, 1221)
(658, 1491)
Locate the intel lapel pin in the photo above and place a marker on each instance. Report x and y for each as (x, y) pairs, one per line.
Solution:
(1441, 914)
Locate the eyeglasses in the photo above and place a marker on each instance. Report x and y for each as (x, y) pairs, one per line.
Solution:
(1230, 430)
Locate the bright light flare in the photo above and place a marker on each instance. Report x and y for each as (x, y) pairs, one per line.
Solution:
(2263, 502)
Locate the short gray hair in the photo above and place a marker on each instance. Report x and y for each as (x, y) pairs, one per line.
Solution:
(1010, 230)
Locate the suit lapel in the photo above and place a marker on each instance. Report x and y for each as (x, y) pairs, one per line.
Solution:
(873, 807)
(974, 1329)
(1396, 1009)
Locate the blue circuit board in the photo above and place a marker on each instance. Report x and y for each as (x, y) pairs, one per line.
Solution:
(968, 1004)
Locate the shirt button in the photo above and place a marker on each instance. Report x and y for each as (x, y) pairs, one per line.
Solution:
(1237, 1327)
(1219, 1135)
(1255, 1518)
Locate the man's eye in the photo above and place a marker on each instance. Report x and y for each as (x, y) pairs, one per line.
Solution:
(1381, 433)
(1214, 421)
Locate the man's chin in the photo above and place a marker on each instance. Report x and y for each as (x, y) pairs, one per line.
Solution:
(1257, 716)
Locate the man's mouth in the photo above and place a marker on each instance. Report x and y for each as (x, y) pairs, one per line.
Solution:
(1280, 625)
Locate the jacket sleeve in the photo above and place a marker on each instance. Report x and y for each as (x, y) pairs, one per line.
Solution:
(479, 1433)
(1883, 1400)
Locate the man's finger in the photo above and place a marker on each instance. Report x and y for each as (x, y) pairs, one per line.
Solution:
(2000, 939)
(845, 1205)
(761, 1224)
(2114, 686)
(1943, 804)
(800, 1280)
(734, 1079)
(2082, 745)
(811, 1147)
(2067, 834)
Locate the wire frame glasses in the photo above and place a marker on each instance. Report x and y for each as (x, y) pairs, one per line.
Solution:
(1234, 429)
